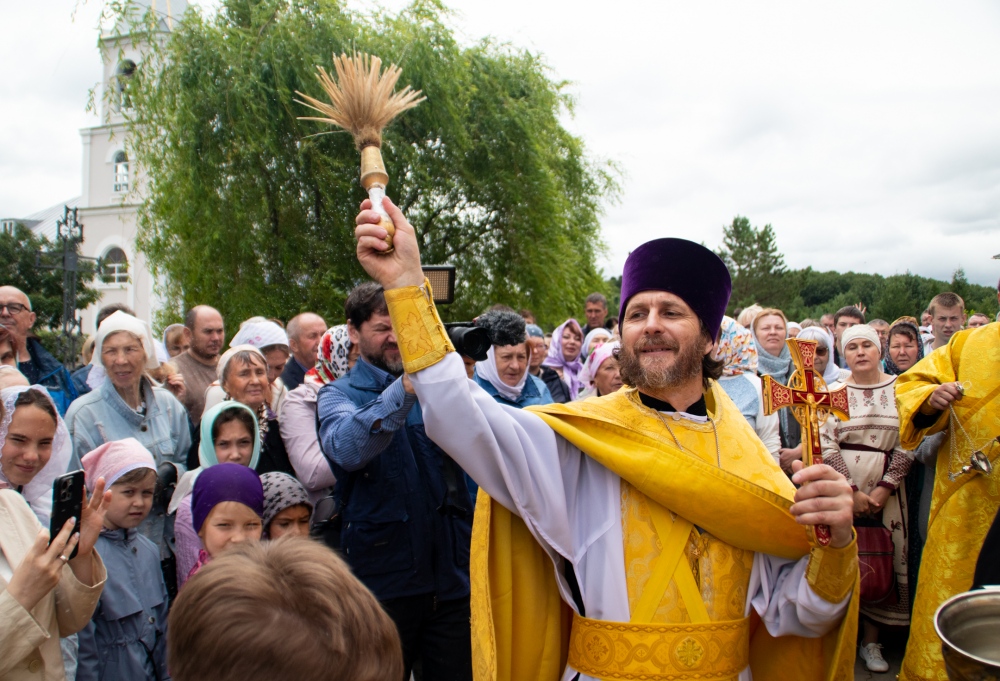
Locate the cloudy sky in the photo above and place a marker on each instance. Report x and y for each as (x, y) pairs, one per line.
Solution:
(867, 134)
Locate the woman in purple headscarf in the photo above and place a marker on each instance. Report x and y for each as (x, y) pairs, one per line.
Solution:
(564, 355)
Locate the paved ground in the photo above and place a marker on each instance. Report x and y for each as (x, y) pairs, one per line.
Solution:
(894, 645)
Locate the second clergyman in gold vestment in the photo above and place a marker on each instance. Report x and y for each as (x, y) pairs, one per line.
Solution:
(964, 504)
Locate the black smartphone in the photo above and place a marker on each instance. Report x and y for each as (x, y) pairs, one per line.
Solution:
(67, 502)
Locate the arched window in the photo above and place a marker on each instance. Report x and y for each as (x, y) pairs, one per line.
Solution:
(123, 73)
(121, 171)
(114, 266)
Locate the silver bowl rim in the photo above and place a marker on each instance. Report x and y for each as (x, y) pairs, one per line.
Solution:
(994, 589)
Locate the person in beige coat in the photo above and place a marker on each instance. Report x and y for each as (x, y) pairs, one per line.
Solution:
(44, 594)
(31, 625)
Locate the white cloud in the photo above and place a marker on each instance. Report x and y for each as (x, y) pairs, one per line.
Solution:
(865, 133)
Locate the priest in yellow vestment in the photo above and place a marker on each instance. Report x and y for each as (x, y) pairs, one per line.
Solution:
(955, 389)
(647, 534)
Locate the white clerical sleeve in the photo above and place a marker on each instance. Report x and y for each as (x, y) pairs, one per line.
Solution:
(510, 453)
(785, 601)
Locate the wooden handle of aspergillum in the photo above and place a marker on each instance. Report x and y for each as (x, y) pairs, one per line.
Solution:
(374, 179)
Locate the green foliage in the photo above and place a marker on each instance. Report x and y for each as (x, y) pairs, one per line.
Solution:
(252, 210)
(19, 267)
(757, 267)
(760, 276)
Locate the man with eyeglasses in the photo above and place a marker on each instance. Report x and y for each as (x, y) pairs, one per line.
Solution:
(34, 361)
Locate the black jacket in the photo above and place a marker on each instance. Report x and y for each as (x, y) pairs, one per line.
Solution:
(559, 390)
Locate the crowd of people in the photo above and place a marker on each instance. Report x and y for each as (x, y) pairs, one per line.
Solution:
(289, 482)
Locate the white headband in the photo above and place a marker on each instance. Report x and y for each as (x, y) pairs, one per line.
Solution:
(860, 331)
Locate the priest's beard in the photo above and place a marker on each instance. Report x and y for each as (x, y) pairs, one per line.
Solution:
(687, 365)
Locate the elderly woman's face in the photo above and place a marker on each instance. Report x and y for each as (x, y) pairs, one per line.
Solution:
(822, 358)
(512, 362)
(903, 351)
(123, 359)
(771, 333)
(246, 382)
(861, 355)
(571, 344)
(608, 378)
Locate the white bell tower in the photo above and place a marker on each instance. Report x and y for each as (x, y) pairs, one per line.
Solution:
(111, 181)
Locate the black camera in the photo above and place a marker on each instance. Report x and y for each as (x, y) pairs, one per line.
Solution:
(469, 339)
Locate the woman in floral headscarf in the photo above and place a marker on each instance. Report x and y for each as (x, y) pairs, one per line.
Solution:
(738, 352)
(335, 358)
(565, 355)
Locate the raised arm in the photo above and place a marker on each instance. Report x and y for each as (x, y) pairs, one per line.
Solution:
(510, 453)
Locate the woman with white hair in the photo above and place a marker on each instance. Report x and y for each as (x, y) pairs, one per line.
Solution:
(867, 451)
(128, 404)
(244, 379)
(272, 341)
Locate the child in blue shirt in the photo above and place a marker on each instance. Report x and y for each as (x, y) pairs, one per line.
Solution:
(126, 639)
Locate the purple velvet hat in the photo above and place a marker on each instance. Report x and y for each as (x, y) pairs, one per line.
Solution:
(225, 482)
(688, 270)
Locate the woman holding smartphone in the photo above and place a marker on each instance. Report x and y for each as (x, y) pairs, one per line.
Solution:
(34, 573)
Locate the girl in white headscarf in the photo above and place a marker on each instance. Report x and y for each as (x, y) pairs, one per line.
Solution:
(38, 491)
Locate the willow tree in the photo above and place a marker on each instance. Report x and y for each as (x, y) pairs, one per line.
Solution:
(249, 209)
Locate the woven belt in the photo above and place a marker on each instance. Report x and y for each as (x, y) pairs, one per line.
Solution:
(621, 651)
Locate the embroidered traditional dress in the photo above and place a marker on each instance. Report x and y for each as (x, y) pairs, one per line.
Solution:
(866, 450)
(963, 508)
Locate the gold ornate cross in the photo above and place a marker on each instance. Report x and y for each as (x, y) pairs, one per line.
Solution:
(811, 403)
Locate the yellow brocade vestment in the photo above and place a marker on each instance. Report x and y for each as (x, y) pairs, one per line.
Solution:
(723, 481)
(521, 628)
(962, 509)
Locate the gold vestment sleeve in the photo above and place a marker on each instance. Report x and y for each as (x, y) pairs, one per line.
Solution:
(832, 573)
(421, 336)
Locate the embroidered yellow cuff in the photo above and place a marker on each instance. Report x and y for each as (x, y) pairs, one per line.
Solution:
(832, 573)
(422, 340)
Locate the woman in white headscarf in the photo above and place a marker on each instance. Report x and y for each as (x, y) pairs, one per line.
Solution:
(595, 339)
(37, 492)
(129, 404)
(866, 449)
(824, 355)
(504, 373)
(45, 594)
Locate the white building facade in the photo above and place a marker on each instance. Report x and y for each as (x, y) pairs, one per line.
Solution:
(111, 181)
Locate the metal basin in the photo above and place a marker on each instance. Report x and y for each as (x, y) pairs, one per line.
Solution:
(969, 627)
